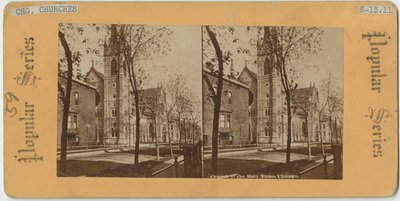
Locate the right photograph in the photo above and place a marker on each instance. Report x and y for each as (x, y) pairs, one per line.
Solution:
(272, 102)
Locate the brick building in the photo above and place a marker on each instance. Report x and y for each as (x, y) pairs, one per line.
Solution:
(81, 118)
(234, 124)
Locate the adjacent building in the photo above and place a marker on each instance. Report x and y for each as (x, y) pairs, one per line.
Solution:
(81, 128)
(234, 121)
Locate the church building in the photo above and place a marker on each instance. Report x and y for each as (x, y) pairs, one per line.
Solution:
(119, 105)
(268, 114)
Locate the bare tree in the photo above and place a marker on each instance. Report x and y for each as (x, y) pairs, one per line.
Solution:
(331, 106)
(66, 103)
(69, 35)
(305, 106)
(216, 99)
(183, 106)
(217, 44)
(195, 120)
(135, 43)
(335, 112)
(282, 45)
(156, 105)
(176, 94)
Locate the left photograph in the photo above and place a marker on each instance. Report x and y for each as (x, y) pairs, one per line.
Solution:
(129, 101)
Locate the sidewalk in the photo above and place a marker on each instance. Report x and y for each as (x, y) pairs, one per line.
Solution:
(319, 172)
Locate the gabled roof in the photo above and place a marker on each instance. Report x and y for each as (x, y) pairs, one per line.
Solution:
(251, 73)
(97, 73)
(79, 82)
(226, 78)
(151, 96)
(302, 96)
(301, 92)
(151, 92)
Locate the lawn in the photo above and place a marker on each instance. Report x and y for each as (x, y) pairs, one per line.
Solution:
(304, 150)
(76, 168)
(152, 151)
(228, 166)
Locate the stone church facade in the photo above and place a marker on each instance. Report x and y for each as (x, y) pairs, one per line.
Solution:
(268, 112)
(119, 109)
(106, 105)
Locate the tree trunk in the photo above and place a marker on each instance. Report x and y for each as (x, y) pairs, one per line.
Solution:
(322, 141)
(169, 138)
(217, 101)
(192, 133)
(180, 132)
(184, 130)
(129, 129)
(66, 104)
(331, 130)
(137, 127)
(308, 138)
(336, 132)
(155, 131)
(289, 127)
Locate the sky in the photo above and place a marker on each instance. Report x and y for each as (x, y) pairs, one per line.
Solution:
(185, 55)
(183, 58)
(311, 68)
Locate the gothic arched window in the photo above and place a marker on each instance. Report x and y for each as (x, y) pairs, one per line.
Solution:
(267, 66)
(124, 68)
(113, 67)
(113, 132)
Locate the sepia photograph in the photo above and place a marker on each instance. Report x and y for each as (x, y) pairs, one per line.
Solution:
(129, 101)
(200, 99)
(272, 102)
(256, 102)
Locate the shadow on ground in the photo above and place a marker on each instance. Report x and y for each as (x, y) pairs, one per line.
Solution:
(304, 150)
(76, 168)
(227, 166)
(152, 151)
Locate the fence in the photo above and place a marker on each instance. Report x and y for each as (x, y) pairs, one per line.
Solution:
(175, 164)
(337, 165)
(191, 163)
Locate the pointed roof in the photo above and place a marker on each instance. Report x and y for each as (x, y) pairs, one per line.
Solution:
(96, 72)
(230, 79)
(303, 96)
(77, 81)
(151, 92)
(151, 96)
(251, 73)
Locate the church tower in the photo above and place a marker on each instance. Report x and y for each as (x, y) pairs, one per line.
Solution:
(117, 116)
(270, 100)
